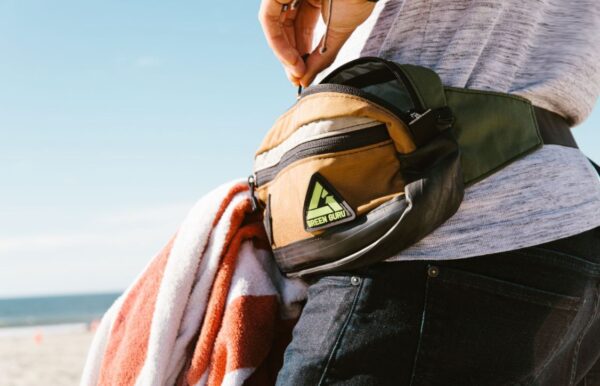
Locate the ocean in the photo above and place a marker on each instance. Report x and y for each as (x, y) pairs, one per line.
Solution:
(52, 310)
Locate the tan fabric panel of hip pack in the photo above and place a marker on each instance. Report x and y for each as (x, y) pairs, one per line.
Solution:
(330, 105)
(365, 177)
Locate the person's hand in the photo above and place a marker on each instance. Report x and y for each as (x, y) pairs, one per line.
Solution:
(290, 33)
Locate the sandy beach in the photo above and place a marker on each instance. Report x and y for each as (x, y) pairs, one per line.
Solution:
(43, 355)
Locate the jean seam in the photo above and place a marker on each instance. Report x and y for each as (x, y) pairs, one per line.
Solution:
(511, 290)
(530, 379)
(421, 327)
(581, 265)
(341, 333)
(588, 325)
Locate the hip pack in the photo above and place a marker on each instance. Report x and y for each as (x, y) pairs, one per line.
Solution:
(374, 158)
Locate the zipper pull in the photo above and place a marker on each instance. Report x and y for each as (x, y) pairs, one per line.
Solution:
(252, 186)
(414, 116)
(429, 124)
(304, 57)
(323, 48)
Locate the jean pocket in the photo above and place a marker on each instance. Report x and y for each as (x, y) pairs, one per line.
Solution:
(563, 259)
(579, 252)
(480, 330)
(330, 302)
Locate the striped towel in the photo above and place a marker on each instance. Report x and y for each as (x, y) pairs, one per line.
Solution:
(210, 309)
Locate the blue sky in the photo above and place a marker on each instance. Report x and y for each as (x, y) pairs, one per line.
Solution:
(115, 116)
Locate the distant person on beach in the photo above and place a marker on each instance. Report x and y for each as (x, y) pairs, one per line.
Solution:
(506, 291)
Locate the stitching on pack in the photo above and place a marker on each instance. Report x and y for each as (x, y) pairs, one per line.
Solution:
(486, 92)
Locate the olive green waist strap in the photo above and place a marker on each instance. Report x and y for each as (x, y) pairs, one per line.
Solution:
(494, 129)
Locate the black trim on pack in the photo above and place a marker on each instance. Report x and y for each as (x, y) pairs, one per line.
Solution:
(268, 220)
(341, 240)
(334, 143)
(371, 78)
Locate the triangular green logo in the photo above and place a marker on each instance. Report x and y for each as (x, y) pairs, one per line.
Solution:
(324, 206)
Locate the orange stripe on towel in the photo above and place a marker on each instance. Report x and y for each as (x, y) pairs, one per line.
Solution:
(237, 188)
(128, 342)
(245, 336)
(218, 296)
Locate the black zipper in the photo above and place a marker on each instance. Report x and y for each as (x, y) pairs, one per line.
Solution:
(394, 68)
(335, 143)
(409, 86)
(343, 89)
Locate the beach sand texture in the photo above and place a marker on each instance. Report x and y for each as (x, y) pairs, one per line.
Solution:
(37, 358)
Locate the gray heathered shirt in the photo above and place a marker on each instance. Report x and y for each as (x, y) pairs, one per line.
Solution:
(545, 50)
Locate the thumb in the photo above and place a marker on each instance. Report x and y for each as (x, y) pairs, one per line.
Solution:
(318, 61)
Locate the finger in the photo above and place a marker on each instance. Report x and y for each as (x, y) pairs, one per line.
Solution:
(318, 61)
(295, 81)
(306, 21)
(287, 24)
(269, 16)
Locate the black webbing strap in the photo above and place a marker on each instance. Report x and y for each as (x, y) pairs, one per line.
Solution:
(595, 165)
(555, 130)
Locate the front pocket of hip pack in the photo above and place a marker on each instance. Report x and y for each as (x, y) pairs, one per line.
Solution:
(357, 171)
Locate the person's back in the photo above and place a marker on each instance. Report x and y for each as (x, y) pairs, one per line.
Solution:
(506, 291)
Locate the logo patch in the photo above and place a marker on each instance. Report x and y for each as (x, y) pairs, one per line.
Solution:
(324, 206)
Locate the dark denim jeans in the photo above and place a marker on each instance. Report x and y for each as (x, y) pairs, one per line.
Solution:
(524, 317)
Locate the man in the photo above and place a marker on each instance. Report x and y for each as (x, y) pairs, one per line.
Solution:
(506, 292)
